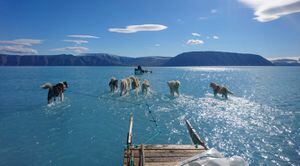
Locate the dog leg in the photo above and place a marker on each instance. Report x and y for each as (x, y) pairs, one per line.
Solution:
(62, 97)
(215, 93)
(177, 91)
(49, 99)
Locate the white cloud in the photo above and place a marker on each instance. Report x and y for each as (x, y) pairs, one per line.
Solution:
(213, 11)
(196, 34)
(76, 50)
(157, 45)
(268, 10)
(215, 37)
(202, 18)
(195, 42)
(24, 42)
(84, 36)
(138, 28)
(76, 41)
(17, 49)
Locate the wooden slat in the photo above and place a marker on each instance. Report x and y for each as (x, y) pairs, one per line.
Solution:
(168, 146)
(161, 154)
(142, 156)
(164, 153)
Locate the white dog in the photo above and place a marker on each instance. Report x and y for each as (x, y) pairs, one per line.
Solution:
(125, 86)
(174, 87)
(145, 86)
(135, 84)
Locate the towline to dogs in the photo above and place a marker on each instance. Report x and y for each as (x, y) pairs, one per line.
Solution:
(153, 118)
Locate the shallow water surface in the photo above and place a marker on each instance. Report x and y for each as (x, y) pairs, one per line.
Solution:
(260, 122)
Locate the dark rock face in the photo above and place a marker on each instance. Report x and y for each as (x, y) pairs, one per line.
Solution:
(210, 58)
(97, 59)
(101, 59)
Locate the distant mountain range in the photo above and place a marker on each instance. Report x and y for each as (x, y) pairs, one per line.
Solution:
(97, 59)
(211, 58)
(199, 58)
(286, 61)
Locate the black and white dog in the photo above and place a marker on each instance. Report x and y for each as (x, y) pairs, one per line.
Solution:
(113, 84)
(55, 90)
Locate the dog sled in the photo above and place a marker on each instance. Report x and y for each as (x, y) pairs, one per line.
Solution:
(168, 155)
(140, 71)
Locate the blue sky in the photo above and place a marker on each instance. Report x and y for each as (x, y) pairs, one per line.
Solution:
(270, 28)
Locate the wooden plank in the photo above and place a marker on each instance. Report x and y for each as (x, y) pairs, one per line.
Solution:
(129, 135)
(169, 159)
(142, 154)
(162, 164)
(194, 135)
(170, 146)
(129, 151)
(166, 153)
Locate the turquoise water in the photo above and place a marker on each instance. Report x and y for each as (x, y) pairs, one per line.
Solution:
(260, 122)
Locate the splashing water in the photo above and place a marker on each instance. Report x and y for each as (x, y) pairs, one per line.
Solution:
(260, 122)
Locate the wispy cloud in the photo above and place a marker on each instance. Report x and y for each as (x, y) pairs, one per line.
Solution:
(196, 34)
(268, 10)
(18, 46)
(76, 41)
(84, 36)
(202, 18)
(24, 42)
(157, 45)
(213, 11)
(215, 37)
(17, 49)
(195, 42)
(138, 28)
(179, 20)
(76, 50)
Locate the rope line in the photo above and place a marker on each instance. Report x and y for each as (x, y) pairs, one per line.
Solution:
(150, 112)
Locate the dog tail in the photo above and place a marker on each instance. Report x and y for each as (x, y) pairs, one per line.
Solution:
(47, 85)
(229, 92)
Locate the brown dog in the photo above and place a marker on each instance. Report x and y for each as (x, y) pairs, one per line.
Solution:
(219, 89)
(124, 86)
